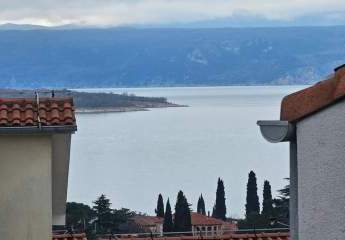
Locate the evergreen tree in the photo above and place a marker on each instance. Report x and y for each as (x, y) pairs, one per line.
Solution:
(219, 209)
(103, 214)
(201, 206)
(78, 216)
(182, 221)
(281, 204)
(252, 205)
(168, 225)
(160, 207)
(267, 203)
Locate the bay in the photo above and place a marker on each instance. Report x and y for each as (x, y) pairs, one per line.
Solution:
(133, 156)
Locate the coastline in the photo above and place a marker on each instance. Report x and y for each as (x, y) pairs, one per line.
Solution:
(125, 109)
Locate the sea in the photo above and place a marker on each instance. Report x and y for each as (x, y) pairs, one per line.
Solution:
(131, 157)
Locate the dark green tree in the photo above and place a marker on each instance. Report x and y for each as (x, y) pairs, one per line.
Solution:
(120, 219)
(219, 209)
(281, 204)
(201, 206)
(78, 216)
(267, 202)
(182, 221)
(168, 225)
(252, 201)
(103, 213)
(160, 207)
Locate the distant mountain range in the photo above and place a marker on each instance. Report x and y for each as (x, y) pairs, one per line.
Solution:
(126, 57)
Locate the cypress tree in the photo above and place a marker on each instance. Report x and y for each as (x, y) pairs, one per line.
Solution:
(182, 221)
(252, 201)
(160, 207)
(219, 209)
(267, 203)
(168, 225)
(201, 206)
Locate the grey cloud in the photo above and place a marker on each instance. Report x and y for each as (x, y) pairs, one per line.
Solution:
(117, 12)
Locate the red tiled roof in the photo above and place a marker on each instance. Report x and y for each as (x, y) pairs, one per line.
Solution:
(147, 220)
(234, 236)
(23, 112)
(81, 236)
(312, 99)
(199, 219)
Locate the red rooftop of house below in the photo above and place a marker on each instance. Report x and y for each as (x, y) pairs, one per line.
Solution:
(29, 112)
(315, 98)
(80, 236)
(199, 219)
(235, 236)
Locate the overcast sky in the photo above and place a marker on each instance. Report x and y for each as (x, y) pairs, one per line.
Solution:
(120, 12)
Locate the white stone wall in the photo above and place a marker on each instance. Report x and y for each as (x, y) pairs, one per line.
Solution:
(321, 174)
(25, 187)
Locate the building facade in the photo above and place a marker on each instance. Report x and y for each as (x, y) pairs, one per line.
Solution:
(35, 137)
(208, 226)
(312, 120)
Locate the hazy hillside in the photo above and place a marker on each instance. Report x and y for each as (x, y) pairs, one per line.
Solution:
(164, 57)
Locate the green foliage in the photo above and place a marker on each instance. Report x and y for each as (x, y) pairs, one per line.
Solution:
(201, 206)
(252, 200)
(219, 209)
(267, 203)
(168, 225)
(160, 207)
(182, 221)
(281, 205)
(103, 214)
(78, 216)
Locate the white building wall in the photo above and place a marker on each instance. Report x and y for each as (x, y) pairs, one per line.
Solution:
(321, 174)
(25, 187)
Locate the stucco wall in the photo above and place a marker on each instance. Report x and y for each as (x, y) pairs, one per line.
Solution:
(321, 174)
(25, 187)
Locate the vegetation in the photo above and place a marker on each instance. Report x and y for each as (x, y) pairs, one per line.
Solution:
(102, 219)
(275, 212)
(267, 203)
(281, 204)
(85, 100)
(160, 207)
(78, 216)
(168, 225)
(201, 206)
(252, 205)
(219, 209)
(182, 221)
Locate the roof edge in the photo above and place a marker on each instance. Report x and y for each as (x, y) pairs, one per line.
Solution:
(38, 130)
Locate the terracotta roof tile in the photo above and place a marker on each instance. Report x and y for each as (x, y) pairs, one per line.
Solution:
(22, 112)
(315, 98)
(234, 236)
(147, 220)
(81, 236)
(199, 219)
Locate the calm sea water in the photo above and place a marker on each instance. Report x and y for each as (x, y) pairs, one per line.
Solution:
(132, 157)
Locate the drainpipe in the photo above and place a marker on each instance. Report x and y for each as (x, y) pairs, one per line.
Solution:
(276, 131)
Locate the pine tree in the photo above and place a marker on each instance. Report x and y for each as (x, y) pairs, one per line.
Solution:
(103, 214)
(168, 225)
(267, 203)
(201, 206)
(252, 205)
(219, 209)
(160, 207)
(182, 221)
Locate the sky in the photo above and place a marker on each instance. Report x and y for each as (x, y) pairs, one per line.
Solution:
(106, 13)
